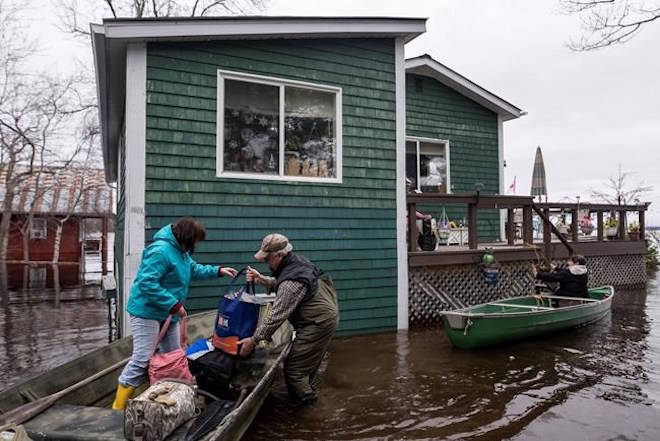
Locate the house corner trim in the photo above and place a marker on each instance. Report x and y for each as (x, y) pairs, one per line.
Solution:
(136, 128)
(401, 248)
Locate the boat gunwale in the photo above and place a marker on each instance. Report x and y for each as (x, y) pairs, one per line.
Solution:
(463, 312)
(220, 429)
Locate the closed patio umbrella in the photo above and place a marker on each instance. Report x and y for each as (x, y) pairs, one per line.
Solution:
(539, 187)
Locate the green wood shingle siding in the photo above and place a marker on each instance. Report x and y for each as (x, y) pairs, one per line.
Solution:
(438, 112)
(347, 229)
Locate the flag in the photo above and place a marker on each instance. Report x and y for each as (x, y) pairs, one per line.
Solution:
(512, 187)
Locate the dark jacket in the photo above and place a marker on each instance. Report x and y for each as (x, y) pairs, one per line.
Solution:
(572, 280)
(319, 305)
(299, 269)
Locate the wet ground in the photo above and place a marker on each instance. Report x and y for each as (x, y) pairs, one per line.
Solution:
(38, 332)
(601, 382)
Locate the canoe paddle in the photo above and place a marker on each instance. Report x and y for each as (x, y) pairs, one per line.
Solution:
(29, 410)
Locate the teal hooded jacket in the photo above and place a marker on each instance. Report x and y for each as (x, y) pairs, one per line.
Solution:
(163, 277)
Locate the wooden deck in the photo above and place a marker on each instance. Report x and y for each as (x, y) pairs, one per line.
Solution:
(548, 246)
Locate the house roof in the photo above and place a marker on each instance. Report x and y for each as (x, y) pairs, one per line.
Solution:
(109, 41)
(425, 65)
(59, 193)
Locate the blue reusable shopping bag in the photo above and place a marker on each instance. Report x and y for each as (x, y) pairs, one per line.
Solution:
(236, 318)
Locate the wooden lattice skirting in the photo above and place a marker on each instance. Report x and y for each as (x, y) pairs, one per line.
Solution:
(441, 288)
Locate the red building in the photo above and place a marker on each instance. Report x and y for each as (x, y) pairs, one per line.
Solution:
(81, 202)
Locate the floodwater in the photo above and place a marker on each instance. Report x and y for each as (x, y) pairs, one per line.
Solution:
(600, 382)
(38, 333)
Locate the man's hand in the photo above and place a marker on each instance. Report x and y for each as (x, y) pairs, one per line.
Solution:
(253, 275)
(182, 312)
(228, 271)
(247, 346)
(534, 271)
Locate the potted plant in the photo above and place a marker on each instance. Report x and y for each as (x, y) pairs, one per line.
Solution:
(633, 231)
(611, 227)
(586, 225)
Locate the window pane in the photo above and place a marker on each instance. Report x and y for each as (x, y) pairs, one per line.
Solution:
(411, 163)
(310, 133)
(432, 168)
(251, 137)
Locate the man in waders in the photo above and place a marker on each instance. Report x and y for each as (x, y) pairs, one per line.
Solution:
(307, 298)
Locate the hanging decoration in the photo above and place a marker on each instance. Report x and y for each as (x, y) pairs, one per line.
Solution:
(490, 268)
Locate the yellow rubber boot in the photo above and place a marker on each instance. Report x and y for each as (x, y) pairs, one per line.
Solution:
(123, 394)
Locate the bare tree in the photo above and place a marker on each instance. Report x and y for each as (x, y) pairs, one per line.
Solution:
(76, 16)
(37, 111)
(618, 190)
(609, 22)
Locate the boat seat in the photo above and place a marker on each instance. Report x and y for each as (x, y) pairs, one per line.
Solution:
(522, 306)
(83, 423)
(72, 422)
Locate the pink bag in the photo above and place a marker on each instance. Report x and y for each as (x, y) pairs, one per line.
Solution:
(173, 364)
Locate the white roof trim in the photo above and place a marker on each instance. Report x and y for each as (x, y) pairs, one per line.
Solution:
(263, 27)
(425, 65)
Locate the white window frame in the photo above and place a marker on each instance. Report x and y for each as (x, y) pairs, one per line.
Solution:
(281, 83)
(417, 140)
(41, 231)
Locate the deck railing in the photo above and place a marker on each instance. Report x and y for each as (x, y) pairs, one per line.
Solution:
(475, 202)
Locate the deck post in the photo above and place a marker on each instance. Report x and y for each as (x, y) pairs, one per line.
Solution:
(104, 246)
(622, 225)
(510, 226)
(472, 226)
(412, 227)
(574, 225)
(547, 236)
(528, 236)
(599, 225)
(642, 226)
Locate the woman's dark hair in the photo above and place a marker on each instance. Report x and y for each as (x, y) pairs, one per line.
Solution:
(188, 232)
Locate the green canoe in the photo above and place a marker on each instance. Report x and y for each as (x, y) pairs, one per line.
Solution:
(517, 318)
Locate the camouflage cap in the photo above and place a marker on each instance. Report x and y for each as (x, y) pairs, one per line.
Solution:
(271, 244)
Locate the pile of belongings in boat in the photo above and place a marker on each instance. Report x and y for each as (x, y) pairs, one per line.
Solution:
(168, 404)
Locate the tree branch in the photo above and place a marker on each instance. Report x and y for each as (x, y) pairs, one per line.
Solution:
(608, 22)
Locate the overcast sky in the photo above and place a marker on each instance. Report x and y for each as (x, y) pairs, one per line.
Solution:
(589, 112)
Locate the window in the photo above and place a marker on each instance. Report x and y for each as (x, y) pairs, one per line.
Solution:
(278, 129)
(38, 229)
(427, 165)
(37, 278)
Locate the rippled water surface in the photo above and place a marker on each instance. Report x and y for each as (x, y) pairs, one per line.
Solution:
(37, 333)
(601, 382)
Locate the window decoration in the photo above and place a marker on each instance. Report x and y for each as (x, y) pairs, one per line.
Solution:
(251, 127)
(278, 129)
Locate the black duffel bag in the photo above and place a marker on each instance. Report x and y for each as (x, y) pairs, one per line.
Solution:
(213, 372)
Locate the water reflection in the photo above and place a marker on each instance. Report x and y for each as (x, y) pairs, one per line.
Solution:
(596, 382)
(40, 330)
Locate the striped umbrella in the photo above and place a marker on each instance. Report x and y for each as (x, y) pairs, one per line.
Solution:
(538, 176)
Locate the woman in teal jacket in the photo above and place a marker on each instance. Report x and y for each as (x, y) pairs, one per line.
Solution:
(160, 289)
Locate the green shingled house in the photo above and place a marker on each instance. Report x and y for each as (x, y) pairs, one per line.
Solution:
(304, 126)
